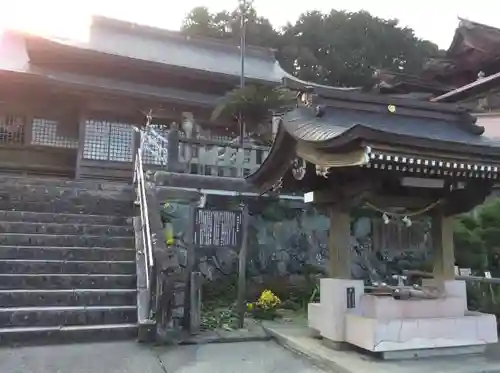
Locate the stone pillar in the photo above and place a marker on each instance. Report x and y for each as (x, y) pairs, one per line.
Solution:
(339, 244)
(188, 127)
(443, 250)
(339, 294)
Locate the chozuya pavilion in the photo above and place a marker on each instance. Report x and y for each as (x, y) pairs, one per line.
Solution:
(402, 156)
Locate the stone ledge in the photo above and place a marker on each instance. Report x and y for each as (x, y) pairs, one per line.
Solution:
(388, 308)
(253, 332)
(298, 340)
(423, 333)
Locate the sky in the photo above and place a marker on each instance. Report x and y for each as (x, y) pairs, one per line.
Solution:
(434, 20)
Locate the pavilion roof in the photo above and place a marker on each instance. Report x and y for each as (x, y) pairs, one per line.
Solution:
(344, 129)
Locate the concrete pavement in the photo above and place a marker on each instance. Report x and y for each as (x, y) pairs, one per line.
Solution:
(130, 357)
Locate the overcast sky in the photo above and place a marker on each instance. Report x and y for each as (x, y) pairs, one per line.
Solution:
(431, 19)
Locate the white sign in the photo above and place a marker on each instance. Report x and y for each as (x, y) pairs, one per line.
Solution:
(465, 271)
(487, 274)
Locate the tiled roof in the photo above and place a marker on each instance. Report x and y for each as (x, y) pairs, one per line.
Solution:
(336, 122)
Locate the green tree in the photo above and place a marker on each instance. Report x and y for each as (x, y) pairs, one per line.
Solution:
(227, 25)
(200, 22)
(344, 48)
(256, 105)
(477, 239)
(470, 251)
(338, 48)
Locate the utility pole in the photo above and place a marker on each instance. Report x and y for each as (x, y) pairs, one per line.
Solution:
(243, 30)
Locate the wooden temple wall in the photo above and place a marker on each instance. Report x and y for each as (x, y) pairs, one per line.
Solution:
(30, 145)
(106, 152)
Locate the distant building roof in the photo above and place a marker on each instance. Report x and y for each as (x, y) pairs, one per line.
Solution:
(14, 61)
(170, 48)
(142, 47)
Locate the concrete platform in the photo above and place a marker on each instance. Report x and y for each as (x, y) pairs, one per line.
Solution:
(299, 340)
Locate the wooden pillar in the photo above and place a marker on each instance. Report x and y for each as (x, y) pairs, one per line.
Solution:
(173, 148)
(136, 144)
(339, 244)
(443, 249)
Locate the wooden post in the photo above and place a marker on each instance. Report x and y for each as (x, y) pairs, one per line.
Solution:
(442, 241)
(136, 144)
(195, 303)
(339, 244)
(191, 261)
(173, 148)
(82, 122)
(242, 266)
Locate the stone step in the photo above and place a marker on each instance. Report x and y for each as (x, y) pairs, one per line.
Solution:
(19, 239)
(97, 206)
(49, 182)
(44, 187)
(67, 281)
(68, 267)
(25, 195)
(64, 316)
(29, 193)
(68, 297)
(65, 229)
(67, 253)
(62, 218)
(12, 336)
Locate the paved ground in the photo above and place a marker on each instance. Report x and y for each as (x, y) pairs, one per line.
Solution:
(130, 357)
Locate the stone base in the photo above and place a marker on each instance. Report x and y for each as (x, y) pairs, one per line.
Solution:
(399, 329)
(337, 346)
(314, 317)
(388, 308)
(433, 352)
(296, 338)
(329, 316)
(421, 333)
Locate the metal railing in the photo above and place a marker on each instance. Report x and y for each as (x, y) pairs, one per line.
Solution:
(141, 201)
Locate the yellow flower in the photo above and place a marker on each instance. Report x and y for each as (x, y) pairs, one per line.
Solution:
(268, 300)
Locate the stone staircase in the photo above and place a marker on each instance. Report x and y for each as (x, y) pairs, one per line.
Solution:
(67, 261)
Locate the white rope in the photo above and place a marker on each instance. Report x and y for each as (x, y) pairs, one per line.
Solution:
(408, 214)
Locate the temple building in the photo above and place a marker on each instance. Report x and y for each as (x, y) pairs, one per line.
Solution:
(72, 110)
(403, 158)
(471, 61)
(67, 108)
